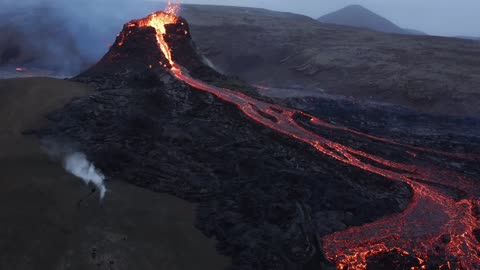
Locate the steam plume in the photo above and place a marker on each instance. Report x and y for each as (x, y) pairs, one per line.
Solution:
(78, 165)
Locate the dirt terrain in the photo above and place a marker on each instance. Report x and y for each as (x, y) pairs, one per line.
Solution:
(43, 225)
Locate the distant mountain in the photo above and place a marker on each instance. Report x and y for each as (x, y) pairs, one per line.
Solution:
(358, 16)
(469, 38)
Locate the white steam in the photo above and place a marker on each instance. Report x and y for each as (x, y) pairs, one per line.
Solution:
(78, 165)
(75, 162)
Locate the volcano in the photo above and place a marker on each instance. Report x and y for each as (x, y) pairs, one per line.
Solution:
(297, 184)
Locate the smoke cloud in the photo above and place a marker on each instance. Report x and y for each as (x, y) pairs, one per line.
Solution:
(65, 36)
(78, 165)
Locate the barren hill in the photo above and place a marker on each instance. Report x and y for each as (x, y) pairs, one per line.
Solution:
(426, 73)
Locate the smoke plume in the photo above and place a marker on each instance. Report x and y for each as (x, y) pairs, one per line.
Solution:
(65, 36)
(78, 165)
(75, 162)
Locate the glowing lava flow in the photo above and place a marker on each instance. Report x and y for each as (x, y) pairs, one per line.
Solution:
(432, 215)
(436, 223)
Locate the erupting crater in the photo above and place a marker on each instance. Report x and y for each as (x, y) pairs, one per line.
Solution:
(438, 230)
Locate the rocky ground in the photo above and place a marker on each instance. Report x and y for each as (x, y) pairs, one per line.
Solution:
(266, 198)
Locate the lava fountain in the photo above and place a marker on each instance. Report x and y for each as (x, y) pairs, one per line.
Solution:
(437, 223)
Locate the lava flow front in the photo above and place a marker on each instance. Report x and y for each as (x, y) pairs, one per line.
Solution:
(437, 223)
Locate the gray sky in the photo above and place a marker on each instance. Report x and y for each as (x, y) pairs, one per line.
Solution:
(436, 17)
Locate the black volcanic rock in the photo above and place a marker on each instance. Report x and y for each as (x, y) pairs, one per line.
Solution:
(184, 51)
(135, 54)
(128, 62)
(267, 198)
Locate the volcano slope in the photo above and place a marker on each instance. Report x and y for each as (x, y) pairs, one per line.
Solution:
(426, 73)
(278, 187)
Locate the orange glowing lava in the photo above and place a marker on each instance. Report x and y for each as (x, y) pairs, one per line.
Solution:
(436, 222)
(158, 21)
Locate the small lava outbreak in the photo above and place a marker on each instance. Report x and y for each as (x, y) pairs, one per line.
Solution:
(442, 220)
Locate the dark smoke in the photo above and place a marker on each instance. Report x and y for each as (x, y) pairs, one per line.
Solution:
(67, 36)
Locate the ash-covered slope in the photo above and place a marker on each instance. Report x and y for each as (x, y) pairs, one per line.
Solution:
(267, 198)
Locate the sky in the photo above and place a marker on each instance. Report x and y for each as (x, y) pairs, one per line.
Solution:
(435, 17)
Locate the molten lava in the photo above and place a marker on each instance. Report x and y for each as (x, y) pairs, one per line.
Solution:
(436, 223)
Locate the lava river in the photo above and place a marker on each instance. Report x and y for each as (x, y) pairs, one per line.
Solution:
(437, 222)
